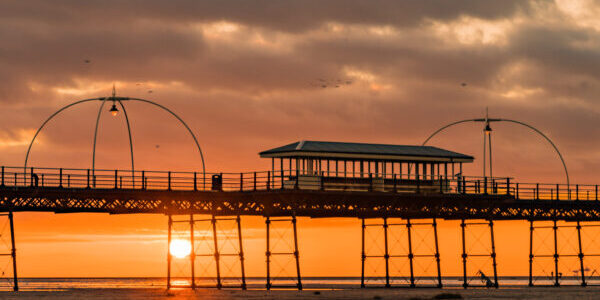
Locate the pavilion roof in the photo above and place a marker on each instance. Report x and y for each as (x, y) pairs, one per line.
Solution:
(363, 151)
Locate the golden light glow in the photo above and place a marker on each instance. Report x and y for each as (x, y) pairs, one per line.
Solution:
(114, 111)
(180, 248)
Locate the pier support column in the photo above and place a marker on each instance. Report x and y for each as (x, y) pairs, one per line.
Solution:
(386, 256)
(580, 255)
(493, 254)
(531, 253)
(216, 254)
(437, 253)
(556, 256)
(13, 252)
(363, 256)
(241, 254)
(192, 253)
(169, 256)
(464, 253)
(268, 252)
(297, 253)
(410, 254)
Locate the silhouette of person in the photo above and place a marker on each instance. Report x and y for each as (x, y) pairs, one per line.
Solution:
(36, 180)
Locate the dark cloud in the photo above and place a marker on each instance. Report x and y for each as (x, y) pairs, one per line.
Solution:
(243, 74)
(279, 15)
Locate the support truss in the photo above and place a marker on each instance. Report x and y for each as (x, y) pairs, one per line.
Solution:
(480, 253)
(410, 253)
(11, 250)
(215, 250)
(272, 251)
(578, 252)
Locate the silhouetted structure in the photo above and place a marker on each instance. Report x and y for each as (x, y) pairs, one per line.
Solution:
(372, 182)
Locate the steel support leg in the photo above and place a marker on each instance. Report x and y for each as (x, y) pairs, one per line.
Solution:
(583, 283)
(169, 256)
(193, 252)
(531, 253)
(437, 253)
(464, 254)
(410, 254)
(296, 253)
(217, 255)
(13, 252)
(556, 256)
(387, 254)
(268, 254)
(239, 227)
(493, 244)
(363, 257)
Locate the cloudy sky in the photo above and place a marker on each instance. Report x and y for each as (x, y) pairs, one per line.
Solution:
(252, 75)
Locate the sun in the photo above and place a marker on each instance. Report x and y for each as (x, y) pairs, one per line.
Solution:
(180, 248)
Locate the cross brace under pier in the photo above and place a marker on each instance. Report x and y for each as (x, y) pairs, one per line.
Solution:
(410, 255)
(556, 274)
(269, 253)
(465, 255)
(216, 254)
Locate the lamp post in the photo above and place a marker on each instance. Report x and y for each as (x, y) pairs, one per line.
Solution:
(114, 112)
(488, 130)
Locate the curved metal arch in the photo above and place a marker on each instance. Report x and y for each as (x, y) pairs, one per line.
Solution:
(95, 137)
(188, 129)
(130, 142)
(128, 132)
(46, 122)
(449, 125)
(547, 139)
(512, 121)
(103, 99)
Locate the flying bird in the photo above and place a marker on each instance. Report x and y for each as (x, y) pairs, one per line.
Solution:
(330, 83)
(463, 84)
(87, 61)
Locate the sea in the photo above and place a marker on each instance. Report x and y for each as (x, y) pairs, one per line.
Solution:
(316, 283)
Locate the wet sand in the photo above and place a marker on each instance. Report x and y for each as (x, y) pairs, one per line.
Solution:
(503, 293)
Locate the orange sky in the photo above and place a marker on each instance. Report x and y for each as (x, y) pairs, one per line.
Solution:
(248, 79)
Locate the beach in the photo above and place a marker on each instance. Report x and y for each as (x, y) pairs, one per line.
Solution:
(401, 293)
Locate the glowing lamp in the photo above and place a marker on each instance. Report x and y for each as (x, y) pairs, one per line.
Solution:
(487, 129)
(113, 110)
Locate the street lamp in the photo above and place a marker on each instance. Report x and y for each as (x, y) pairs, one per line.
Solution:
(487, 130)
(113, 110)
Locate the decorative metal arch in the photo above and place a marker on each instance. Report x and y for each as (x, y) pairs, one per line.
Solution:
(119, 100)
(488, 120)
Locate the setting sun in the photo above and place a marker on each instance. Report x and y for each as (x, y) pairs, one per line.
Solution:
(180, 248)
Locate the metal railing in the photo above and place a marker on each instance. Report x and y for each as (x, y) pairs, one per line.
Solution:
(286, 179)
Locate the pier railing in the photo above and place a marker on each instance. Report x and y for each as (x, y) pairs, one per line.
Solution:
(286, 179)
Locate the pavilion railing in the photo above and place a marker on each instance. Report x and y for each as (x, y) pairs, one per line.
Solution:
(286, 179)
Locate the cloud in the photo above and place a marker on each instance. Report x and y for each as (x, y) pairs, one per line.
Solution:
(251, 76)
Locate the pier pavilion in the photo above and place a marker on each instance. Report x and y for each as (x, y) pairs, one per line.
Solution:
(359, 166)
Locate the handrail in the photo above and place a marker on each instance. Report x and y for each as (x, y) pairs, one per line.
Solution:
(73, 178)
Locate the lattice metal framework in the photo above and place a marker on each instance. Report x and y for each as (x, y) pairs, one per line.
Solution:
(409, 253)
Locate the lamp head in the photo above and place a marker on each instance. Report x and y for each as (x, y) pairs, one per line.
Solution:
(113, 110)
(487, 129)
